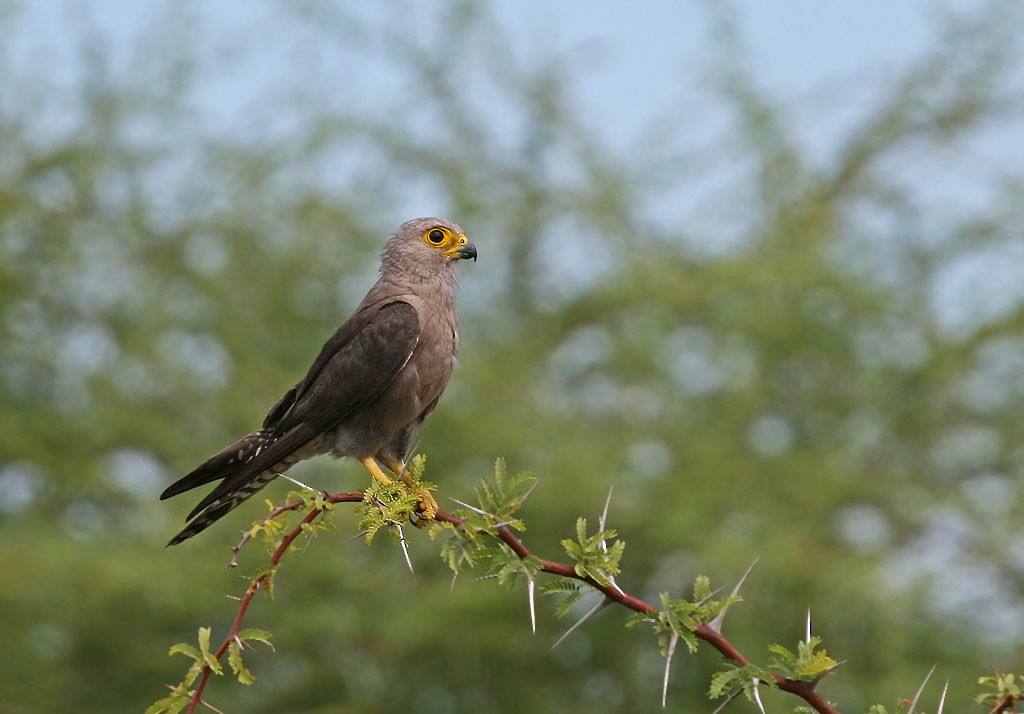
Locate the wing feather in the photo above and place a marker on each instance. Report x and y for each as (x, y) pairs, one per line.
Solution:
(353, 369)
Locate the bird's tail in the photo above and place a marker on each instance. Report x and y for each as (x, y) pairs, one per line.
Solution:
(228, 466)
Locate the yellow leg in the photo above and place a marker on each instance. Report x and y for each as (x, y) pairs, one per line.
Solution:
(375, 470)
(427, 508)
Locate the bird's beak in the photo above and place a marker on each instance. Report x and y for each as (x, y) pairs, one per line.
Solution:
(462, 251)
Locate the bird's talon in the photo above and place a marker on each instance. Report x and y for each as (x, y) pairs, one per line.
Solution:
(426, 509)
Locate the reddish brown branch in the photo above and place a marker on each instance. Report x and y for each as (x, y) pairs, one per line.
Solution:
(712, 637)
(801, 689)
(258, 581)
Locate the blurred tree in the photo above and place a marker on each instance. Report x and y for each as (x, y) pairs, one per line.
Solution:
(819, 364)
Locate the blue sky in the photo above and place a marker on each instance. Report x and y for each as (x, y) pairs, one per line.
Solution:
(632, 62)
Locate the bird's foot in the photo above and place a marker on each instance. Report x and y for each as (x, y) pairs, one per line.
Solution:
(426, 509)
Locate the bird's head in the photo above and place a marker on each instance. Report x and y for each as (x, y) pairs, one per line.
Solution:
(425, 247)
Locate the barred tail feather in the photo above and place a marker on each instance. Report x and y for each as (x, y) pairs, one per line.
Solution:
(243, 469)
(224, 504)
(224, 464)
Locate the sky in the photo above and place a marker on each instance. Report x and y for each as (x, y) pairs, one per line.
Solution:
(631, 53)
(632, 64)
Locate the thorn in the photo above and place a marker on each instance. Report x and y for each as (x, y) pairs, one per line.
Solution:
(913, 703)
(529, 491)
(942, 699)
(357, 536)
(455, 574)
(405, 547)
(716, 624)
(210, 707)
(807, 638)
(533, 608)
(735, 693)
(814, 682)
(604, 514)
(710, 595)
(472, 508)
(757, 695)
(297, 482)
(668, 665)
(605, 602)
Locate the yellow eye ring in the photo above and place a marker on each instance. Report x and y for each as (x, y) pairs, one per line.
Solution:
(435, 236)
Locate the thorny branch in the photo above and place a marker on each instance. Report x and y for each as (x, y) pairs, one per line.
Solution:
(614, 594)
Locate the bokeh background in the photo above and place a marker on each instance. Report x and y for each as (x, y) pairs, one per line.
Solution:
(759, 266)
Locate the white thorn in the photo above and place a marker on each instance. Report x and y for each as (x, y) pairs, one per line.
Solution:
(405, 547)
(807, 637)
(604, 514)
(296, 482)
(529, 491)
(913, 704)
(735, 693)
(710, 595)
(455, 574)
(533, 609)
(605, 602)
(757, 695)
(357, 536)
(716, 624)
(942, 699)
(472, 508)
(668, 665)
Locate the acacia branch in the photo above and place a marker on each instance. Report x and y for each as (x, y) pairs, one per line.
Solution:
(802, 689)
(259, 580)
(621, 597)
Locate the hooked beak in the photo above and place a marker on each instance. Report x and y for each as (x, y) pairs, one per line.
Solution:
(463, 251)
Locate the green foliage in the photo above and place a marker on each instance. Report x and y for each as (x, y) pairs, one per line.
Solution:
(746, 678)
(807, 664)
(1001, 689)
(503, 496)
(681, 617)
(202, 657)
(592, 555)
(473, 544)
(569, 590)
(236, 647)
(389, 505)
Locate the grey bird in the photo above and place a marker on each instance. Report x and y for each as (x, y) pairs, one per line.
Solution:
(369, 390)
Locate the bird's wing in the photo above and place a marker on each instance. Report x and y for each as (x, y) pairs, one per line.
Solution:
(353, 369)
(355, 366)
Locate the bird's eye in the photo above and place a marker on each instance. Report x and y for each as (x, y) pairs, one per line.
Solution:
(436, 236)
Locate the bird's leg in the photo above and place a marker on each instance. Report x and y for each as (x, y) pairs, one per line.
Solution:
(427, 508)
(375, 470)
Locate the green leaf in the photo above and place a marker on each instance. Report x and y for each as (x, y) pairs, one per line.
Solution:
(187, 650)
(173, 703)
(237, 665)
(807, 664)
(257, 635)
(267, 571)
(595, 556)
(735, 677)
(204, 648)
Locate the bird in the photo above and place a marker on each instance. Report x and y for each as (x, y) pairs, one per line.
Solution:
(368, 392)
